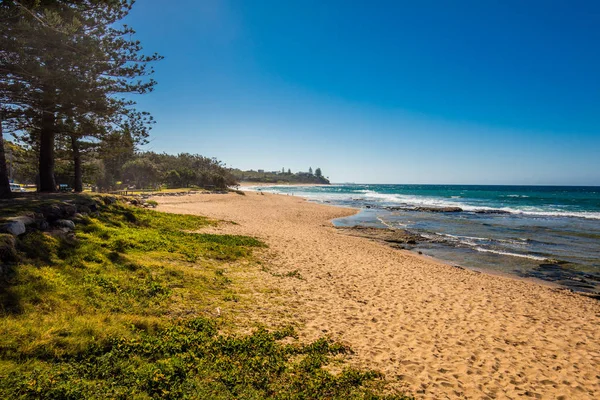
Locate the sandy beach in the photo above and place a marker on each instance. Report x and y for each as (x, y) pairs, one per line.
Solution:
(440, 331)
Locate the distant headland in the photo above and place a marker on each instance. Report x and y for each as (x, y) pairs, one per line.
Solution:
(283, 176)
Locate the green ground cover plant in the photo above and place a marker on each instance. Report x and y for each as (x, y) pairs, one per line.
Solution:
(123, 307)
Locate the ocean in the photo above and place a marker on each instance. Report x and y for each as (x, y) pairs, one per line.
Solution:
(550, 233)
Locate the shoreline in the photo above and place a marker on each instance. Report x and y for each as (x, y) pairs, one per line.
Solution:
(440, 331)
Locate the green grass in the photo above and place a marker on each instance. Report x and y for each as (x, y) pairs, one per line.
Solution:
(123, 309)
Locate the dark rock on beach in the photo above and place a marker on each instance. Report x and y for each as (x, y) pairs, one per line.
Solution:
(425, 209)
(395, 237)
(560, 273)
(438, 209)
(491, 212)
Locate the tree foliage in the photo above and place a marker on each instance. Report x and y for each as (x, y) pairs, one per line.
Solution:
(65, 67)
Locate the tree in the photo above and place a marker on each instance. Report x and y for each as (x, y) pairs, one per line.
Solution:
(318, 173)
(5, 191)
(67, 60)
(142, 172)
(289, 171)
(310, 171)
(173, 179)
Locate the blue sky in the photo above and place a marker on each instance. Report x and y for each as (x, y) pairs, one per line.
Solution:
(488, 92)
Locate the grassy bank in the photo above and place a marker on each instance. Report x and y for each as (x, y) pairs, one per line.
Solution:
(127, 307)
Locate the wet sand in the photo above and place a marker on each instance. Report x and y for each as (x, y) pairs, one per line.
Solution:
(440, 331)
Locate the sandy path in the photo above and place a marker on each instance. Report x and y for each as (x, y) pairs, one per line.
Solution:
(443, 332)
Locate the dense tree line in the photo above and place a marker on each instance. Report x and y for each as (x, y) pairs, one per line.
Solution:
(66, 72)
(122, 166)
(183, 170)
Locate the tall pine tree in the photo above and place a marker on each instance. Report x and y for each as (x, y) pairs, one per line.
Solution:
(72, 64)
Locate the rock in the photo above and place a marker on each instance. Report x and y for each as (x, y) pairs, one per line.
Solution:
(68, 209)
(491, 212)
(15, 228)
(65, 223)
(25, 219)
(51, 212)
(42, 224)
(109, 200)
(438, 209)
(8, 252)
(84, 209)
(78, 217)
(389, 236)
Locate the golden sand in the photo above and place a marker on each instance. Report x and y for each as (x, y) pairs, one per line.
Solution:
(441, 331)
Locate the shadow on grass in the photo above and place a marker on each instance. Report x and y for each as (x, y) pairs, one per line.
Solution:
(10, 301)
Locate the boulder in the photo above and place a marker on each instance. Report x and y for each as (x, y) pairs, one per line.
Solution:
(109, 200)
(42, 224)
(78, 217)
(65, 223)
(25, 219)
(51, 212)
(68, 209)
(15, 228)
(84, 209)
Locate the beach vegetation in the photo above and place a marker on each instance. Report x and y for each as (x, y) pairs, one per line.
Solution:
(124, 307)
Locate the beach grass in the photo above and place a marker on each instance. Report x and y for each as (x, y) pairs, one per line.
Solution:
(125, 308)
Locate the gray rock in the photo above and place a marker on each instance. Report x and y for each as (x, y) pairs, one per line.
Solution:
(65, 223)
(52, 212)
(26, 220)
(83, 209)
(42, 224)
(439, 209)
(15, 228)
(68, 209)
(109, 200)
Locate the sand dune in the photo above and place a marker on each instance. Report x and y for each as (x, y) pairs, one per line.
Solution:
(441, 331)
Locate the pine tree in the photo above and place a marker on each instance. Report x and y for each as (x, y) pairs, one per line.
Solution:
(310, 171)
(66, 61)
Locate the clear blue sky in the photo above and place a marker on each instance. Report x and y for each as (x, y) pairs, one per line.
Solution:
(490, 92)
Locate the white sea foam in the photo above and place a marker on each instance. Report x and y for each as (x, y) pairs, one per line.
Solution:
(506, 253)
(421, 201)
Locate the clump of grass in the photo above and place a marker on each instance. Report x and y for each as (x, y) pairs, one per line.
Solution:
(189, 359)
(116, 312)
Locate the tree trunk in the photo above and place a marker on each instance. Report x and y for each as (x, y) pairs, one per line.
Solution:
(5, 192)
(46, 161)
(78, 186)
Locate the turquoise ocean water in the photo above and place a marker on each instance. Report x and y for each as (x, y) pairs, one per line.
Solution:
(546, 232)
